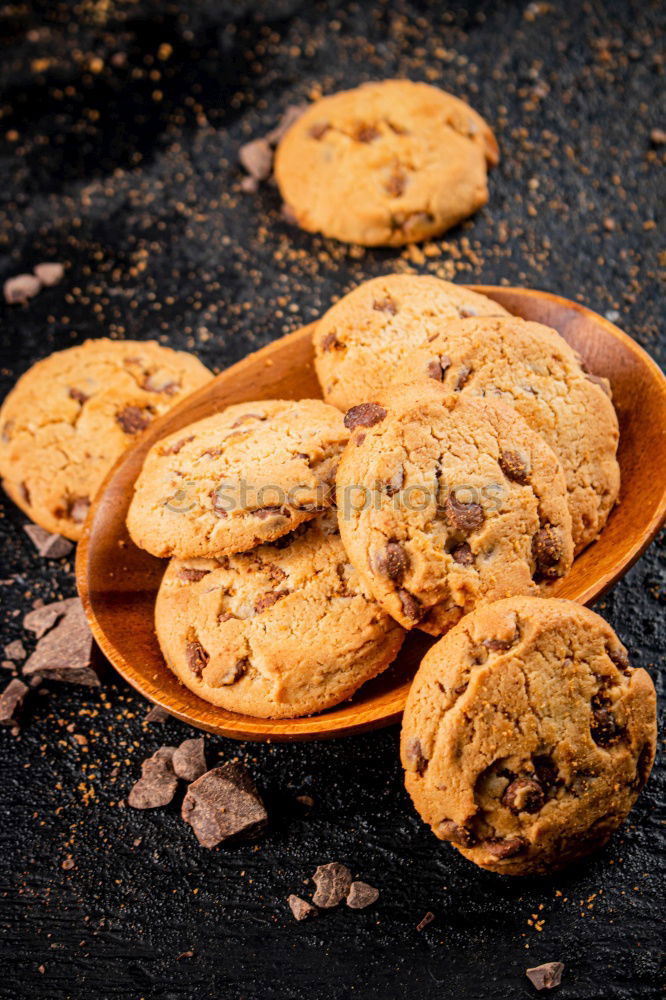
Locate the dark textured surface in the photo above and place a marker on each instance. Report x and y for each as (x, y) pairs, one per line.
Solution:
(118, 157)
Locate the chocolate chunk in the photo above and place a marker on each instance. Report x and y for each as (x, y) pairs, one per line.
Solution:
(498, 645)
(157, 714)
(133, 419)
(523, 795)
(330, 342)
(366, 133)
(224, 803)
(157, 784)
(257, 158)
(15, 650)
(546, 771)
(415, 756)
(438, 367)
(78, 395)
(386, 305)
(546, 976)
(192, 574)
(197, 657)
(333, 882)
(174, 448)
(361, 895)
(396, 184)
(513, 466)
(265, 512)
(65, 653)
(448, 830)
(268, 599)
(426, 919)
(501, 848)
(42, 619)
(618, 655)
(78, 509)
(48, 545)
(463, 375)
(463, 555)
(318, 130)
(463, 516)
(49, 273)
(301, 909)
(235, 672)
(189, 759)
(364, 415)
(165, 384)
(19, 289)
(547, 551)
(604, 727)
(11, 702)
(395, 561)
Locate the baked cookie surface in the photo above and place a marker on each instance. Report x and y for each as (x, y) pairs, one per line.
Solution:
(247, 475)
(385, 164)
(445, 502)
(70, 416)
(284, 630)
(364, 340)
(527, 736)
(533, 368)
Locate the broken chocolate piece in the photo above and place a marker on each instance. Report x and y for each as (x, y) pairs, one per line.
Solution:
(463, 516)
(268, 599)
(547, 551)
(364, 415)
(395, 562)
(19, 289)
(78, 395)
(513, 466)
(333, 882)
(463, 555)
(257, 158)
(498, 645)
(523, 795)
(191, 574)
(426, 919)
(133, 419)
(189, 759)
(546, 976)
(501, 848)
(415, 755)
(463, 375)
(65, 653)
(455, 834)
(361, 895)
(224, 803)
(157, 714)
(438, 367)
(44, 618)
(49, 273)
(15, 650)
(197, 657)
(619, 656)
(301, 909)
(157, 784)
(11, 702)
(265, 512)
(48, 545)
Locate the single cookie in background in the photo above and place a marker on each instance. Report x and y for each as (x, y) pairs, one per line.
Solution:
(364, 341)
(283, 631)
(230, 482)
(446, 502)
(69, 418)
(527, 736)
(385, 164)
(533, 368)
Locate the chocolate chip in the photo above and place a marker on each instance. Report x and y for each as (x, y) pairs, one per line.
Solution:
(265, 512)
(394, 561)
(620, 658)
(463, 375)
(174, 448)
(268, 599)
(19, 289)
(546, 976)
(386, 305)
(197, 657)
(463, 555)
(257, 158)
(330, 342)
(301, 909)
(411, 606)
(415, 756)
(318, 130)
(191, 574)
(235, 672)
(189, 759)
(498, 645)
(333, 882)
(361, 895)
(79, 396)
(546, 770)
(463, 516)
(396, 184)
(224, 803)
(45, 617)
(48, 545)
(604, 727)
(11, 702)
(513, 466)
(364, 415)
(502, 848)
(366, 133)
(426, 919)
(133, 419)
(523, 795)
(49, 273)
(78, 509)
(547, 551)
(448, 830)
(438, 367)
(167, 385)
(158, 784)
(65, 653)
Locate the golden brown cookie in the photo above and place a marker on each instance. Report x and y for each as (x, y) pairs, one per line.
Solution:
(388, 163)
(364, 341)
(446, 502)
(284, 630)
(527, 735)
(239, 478)
(69, 418)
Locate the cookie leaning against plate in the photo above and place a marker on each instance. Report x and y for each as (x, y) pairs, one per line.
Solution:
(70, 416)
(385, 164)
(531, 367)
(363, 342)
(285, 630)
(527, 736)
(239, 478)
(446, 502)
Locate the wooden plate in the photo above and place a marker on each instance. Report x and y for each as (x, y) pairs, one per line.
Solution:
(117, 581)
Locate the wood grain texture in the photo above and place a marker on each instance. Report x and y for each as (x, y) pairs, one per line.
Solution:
(118, 582)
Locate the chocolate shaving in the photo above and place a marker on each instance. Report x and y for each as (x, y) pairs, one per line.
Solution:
(333, 882)
(189, 759)
(65, 653)
(224, 803)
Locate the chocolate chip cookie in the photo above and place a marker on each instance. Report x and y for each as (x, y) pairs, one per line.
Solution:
(385, 164)
(73, 414)
(531, 367)
(364, 341)
(527, 735)
(230, 482)
(285, 630)
(449, 501)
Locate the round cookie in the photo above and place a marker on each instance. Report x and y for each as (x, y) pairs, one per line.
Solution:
(446, 502)
(370, 334)
(70, 416)
(527, 736)
(385, 164)
(533, 368)
(248, 475)
(285, 630)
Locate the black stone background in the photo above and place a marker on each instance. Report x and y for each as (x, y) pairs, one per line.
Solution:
(119, 158)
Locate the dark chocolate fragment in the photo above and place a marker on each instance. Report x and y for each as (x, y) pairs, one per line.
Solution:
(65, 653)
(366, 133)
(192, 574)
(361, 895)
(78, 395)
(463, 516)
(263, 513)
(235, 672)
(513, 466)
(157, 785)
(411, 606)
(438, 367)
(42, 619)
(501, 848)
(330, 342)
(224, 803)
(268, 599)
(523, 795)
(463, 555)
(386, 305)
(604, 727)
(448, 830)
(364, 415)
(11, 702)
(197, 657)
(498, 645)
(463, 375)
(415, 756)
(546, 976)
(301, 909)
(547, 551)
(395, 561)
(48, 545)
(333, 882)
(133, 419)
(157, 714)
(189, 759)
(426, 919)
